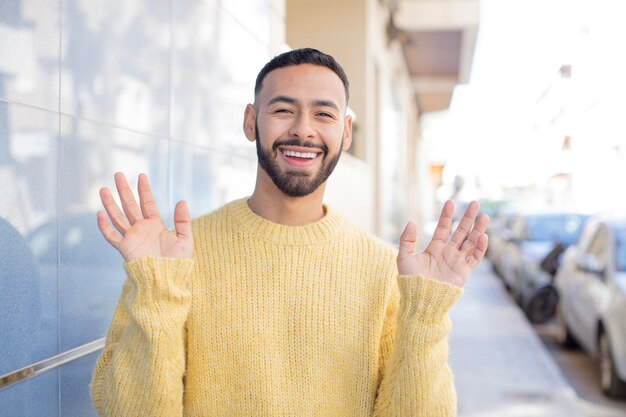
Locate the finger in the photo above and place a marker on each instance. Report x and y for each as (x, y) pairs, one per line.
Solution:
(407, 241)
(479, 228)
(132, 210)
(479, 251)
(182, 221)
(442, 232)
(146, 199)
(107, 231)
(117, 217)
(465, 225)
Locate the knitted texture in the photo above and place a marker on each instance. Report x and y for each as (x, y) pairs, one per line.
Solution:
(274, 320)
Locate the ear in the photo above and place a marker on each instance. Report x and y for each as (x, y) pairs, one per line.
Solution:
(347, 133)
(249, 125)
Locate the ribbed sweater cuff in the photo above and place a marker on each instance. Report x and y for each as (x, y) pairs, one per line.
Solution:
(158, 280)
(427, 299)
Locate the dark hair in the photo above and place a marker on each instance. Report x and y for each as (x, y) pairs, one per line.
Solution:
(302, 56)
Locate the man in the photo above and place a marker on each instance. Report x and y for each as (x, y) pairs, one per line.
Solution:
(274, 305)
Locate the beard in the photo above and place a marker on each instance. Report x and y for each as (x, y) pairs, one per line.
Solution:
(295, 183)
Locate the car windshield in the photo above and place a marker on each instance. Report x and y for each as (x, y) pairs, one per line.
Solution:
(620, 249)
(563, 228)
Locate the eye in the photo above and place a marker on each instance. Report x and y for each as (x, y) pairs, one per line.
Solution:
(324, 114)
(282, 111)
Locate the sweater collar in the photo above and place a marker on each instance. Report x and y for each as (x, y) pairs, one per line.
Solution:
(322, 230)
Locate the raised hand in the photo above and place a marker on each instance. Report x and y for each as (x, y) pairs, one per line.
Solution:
(140, 230)
(447, 261)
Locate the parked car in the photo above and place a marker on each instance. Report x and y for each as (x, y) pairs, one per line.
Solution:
(592, 299)
(499, 231)
(535, 235)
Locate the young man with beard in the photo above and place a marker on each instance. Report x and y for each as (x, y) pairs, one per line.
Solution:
(275, 305)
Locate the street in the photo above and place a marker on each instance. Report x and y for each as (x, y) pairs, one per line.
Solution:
(582, 374)
(504, 367)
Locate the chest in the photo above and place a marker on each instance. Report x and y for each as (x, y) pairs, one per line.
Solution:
(283, 301)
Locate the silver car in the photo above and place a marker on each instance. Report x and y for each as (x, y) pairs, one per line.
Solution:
(591, 283)
(534, 235)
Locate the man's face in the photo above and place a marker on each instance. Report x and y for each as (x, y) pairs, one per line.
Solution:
(300, 127)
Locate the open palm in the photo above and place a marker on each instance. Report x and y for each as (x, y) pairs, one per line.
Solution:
(450, 261)
(140, 230)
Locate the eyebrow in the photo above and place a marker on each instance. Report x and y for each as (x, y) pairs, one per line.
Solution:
(326, 103)
(291, 100)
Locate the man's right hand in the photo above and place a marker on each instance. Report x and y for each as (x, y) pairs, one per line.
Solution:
(142, 231)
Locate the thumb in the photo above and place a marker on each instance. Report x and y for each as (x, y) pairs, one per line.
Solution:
(407, 241)
(182, 221)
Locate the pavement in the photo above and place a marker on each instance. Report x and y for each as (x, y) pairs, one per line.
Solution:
(501, 368)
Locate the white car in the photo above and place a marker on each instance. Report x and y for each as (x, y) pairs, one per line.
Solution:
(591, 284)
(499, 232)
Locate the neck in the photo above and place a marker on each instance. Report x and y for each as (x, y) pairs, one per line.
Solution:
(272, 204)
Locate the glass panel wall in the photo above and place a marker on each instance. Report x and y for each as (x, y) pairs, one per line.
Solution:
(89, 88)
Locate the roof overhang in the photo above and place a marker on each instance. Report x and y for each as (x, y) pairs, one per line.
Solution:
(438, 39)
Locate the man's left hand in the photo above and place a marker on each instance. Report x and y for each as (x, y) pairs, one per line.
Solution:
(447, 261)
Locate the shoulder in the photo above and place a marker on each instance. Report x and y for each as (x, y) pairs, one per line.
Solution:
(372, 247)
(216, 222)
(371, 258)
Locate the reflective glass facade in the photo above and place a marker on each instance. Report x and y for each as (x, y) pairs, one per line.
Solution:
(88, 88)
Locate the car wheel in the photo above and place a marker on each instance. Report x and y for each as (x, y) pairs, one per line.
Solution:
(610, 382)
(563, 334)
(542, 305)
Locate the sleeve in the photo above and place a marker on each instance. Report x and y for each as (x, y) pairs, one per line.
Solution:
(416, 379)
(141, 370)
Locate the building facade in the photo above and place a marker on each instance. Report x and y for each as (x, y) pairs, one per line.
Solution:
(89, 88)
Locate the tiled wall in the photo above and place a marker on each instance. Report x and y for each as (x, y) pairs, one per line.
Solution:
(88, 88)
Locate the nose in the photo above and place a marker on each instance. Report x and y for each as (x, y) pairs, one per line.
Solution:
(302, 127)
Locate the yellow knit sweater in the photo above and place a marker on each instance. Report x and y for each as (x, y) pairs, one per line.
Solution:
(273, 320)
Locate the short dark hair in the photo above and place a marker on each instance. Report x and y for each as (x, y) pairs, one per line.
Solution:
(302, 56)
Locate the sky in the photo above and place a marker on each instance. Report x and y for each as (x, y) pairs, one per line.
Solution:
(498, 128)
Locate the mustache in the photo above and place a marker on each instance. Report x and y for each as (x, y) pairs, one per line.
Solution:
(298, 142)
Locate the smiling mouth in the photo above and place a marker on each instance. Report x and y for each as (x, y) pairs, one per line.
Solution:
(301, 157)
(305, 155)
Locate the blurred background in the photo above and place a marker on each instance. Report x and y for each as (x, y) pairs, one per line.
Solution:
(517, 104)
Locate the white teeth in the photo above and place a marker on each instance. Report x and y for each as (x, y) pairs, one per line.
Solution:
(310, 155)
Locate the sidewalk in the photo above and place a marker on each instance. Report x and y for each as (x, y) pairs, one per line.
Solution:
(501, 368)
